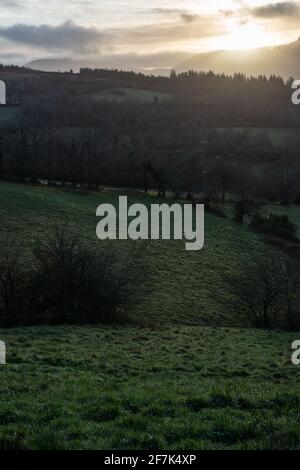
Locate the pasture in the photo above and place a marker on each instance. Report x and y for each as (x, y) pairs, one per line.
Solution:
(183, 284)
(184, 374)
(171, 387)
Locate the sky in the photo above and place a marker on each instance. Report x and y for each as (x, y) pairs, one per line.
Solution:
(31, 29)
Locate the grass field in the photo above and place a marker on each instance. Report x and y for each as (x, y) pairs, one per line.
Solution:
(131, 388)
(192, 376)
(183, 283)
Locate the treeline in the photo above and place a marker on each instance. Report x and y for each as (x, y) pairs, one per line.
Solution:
(14, 68)
(129, 150)
(209, 98)
(209, 82)
(195, 82)
(237, 99)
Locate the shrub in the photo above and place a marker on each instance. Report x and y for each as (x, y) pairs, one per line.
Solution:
(217, 211)
(257, 291)
(269, 292)
(15, 292)
(72, 281)
(279, 231)
(278, 225)
(68, 282)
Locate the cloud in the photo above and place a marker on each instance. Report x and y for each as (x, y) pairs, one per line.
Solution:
(177, 26)
(71, 37)
(277, 10)
(189, 17)
(157, 34)
(10, 3)
(68, 36)
(184, 15)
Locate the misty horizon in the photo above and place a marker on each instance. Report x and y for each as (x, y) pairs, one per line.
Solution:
(136, 30)
(278, 60)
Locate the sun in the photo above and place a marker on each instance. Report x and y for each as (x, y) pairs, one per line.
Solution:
(248, 36)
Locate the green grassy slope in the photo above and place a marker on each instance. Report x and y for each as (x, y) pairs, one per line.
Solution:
(186, 381)
(132, 388)
(184, 284)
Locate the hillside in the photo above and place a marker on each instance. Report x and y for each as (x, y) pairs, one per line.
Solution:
(67, 64)
(279, 60)
(180, 378)
(182, 284)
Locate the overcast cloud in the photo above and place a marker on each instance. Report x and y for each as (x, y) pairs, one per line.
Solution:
(277, 10)
(31, 28)
(67, 36)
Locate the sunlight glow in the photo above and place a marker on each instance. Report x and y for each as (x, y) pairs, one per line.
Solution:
(248, 36)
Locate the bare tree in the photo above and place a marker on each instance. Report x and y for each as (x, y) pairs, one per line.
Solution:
(26, 141)
(258, 290)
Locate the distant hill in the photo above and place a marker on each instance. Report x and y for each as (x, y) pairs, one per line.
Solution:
(280, 60)
(67, 64)
(53, 65)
